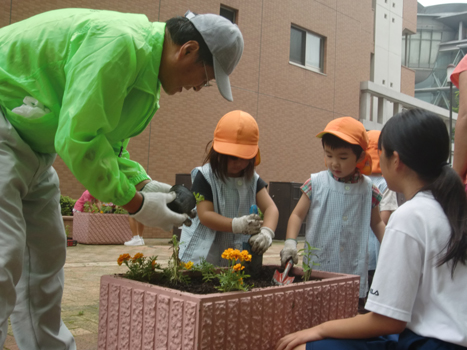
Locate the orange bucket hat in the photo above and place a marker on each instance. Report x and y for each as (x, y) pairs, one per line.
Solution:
(237, 134)
(353, 132)
(373, 137)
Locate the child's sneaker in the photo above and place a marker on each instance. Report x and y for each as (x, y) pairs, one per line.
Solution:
(135, 241)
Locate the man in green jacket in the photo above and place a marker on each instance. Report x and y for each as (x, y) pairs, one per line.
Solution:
(80, 83)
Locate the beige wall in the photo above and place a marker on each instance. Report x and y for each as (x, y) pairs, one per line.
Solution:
(407, 81)
(410, 16)
(291, 104)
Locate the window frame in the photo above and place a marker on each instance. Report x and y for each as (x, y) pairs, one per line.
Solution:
(229, 9)
(322, 48)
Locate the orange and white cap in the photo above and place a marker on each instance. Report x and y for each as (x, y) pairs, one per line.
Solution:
(237, 134)
(353, 132)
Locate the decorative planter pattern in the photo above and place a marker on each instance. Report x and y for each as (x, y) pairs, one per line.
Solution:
(135, 315)
(101, 228)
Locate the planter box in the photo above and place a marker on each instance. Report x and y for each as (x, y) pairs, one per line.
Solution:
(101, 228)
(68, 221)
(135, 315)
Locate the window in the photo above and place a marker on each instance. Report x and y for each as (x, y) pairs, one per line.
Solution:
(421, 49)
(306, 49)
(229, 13)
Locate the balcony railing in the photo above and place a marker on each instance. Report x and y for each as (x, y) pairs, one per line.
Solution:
(378, 104)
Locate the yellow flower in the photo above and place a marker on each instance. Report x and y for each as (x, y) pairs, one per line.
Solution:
(102, 212)
(189, 265)
(122, 258)
(137, 256)
(245, 256)
(238, 267)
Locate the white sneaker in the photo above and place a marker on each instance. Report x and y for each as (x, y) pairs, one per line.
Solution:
(135, 241)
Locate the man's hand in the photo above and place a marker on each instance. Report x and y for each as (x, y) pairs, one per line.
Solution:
(156, 186)
(289, 251)
(261, 241)
(155, 213)
(247, 225)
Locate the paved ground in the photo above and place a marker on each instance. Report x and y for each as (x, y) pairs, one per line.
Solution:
(84, 266)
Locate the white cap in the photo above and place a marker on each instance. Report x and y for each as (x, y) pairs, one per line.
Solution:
(225, 41)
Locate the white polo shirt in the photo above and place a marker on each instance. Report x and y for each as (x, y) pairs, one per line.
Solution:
(408, 286)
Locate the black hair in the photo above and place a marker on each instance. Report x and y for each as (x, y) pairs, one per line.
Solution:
(219, 164)
(181, 31)
(422, 141)
(335, 142)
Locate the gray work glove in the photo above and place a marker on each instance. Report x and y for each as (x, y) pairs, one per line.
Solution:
(247, 225)
(155, 213)
(289, 251)
(156, 186)
(261, 241)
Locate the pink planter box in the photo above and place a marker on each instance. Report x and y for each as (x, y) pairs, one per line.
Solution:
(101, 228)
(135, 315)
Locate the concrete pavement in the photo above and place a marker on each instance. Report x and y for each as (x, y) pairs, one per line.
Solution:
(84, 266)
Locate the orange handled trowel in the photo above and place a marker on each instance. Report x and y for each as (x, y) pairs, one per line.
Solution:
(283, 279)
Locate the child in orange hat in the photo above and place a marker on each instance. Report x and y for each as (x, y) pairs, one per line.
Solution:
(229, 184)
(388, 203)
(341, 204)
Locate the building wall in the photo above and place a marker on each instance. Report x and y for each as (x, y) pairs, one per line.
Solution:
(407, 81)
(409, 22)
(388, 39)
(290, 103)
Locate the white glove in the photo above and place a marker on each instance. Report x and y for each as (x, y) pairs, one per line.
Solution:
(155, 213)
(156, 186)
(262, 241)
(289, 251)
(248, 224)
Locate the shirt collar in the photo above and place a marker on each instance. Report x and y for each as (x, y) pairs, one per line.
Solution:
(350, 179)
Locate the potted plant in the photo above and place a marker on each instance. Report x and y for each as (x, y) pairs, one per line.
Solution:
(103, 224)
(66, 205)
(139, 315)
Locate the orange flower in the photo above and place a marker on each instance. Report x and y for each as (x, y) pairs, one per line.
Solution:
(122, 258)
(238, 267)
(241, 280)
(245, 256)
(153, 264)
(137, 256)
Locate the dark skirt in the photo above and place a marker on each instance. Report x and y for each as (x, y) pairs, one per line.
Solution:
(407, 340)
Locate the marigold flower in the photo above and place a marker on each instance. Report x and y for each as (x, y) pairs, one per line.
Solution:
(238, 267)
(189, 265)
(245, 256)
(137, 256)
(122, 258)
(153, 264)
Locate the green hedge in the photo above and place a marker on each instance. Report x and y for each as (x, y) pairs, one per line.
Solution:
(67, 204)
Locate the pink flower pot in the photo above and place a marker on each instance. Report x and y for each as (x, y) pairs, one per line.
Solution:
(101, 228)
(135, 315)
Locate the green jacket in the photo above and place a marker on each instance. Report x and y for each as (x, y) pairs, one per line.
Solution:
(97, 72)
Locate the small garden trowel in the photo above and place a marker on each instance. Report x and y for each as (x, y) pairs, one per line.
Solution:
(283, 279)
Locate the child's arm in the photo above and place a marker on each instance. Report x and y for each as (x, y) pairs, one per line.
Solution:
(209, 218)
(293, 228)
(359, 327)
(269, 209)
(263, 240)
(297, 217)
(246, 224)
(377, 225)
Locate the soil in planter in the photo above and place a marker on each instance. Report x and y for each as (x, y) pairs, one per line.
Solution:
(198, 286)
